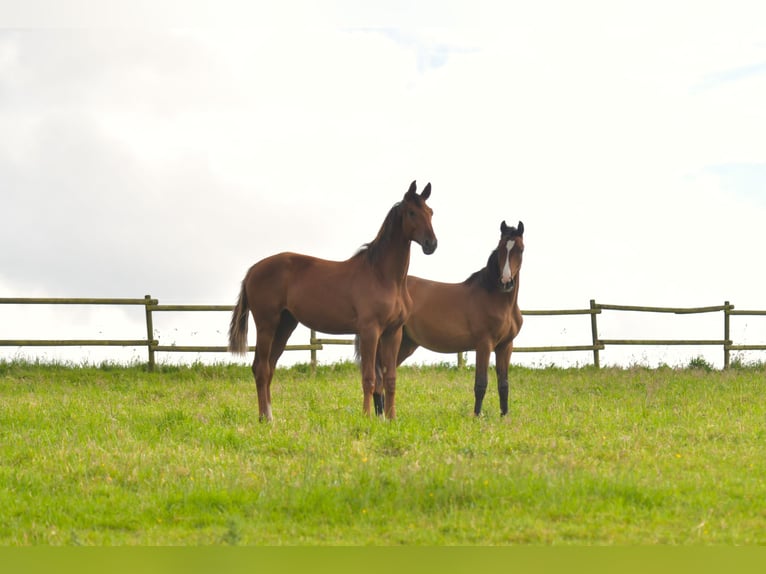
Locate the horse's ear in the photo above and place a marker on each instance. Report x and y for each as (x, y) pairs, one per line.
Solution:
(503, 227)
(411, 191)
(426, 193)
(520, 228)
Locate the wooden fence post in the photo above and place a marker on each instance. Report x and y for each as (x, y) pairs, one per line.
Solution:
(149, 330)
(594, 333)
(726, 340)
(460, 360)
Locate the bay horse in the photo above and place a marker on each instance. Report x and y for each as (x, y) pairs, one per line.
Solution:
(365, 295)
(481, 314)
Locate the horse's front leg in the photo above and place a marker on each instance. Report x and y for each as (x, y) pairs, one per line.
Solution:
(502, 361)
(368, 347)
(406, 348)
(480, 383)
(388, 351)
(377, 394)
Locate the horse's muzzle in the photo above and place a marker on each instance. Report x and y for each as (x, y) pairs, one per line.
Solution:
(429, 246)
(507, 287)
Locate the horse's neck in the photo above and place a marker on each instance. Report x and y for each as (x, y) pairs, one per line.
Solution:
(513, 301)
(490, 275)
(395, 260)
(515, 298)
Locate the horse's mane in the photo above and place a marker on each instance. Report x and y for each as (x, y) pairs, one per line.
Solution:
(372, 251)
(488, 276)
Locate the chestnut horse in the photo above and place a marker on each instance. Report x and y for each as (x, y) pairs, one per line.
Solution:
(365, 295)
(481, 314)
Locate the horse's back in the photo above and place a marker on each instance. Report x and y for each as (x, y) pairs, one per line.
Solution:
(434, 296)
(453, 317)
(315, 291)
(285, 267)
(270, 274)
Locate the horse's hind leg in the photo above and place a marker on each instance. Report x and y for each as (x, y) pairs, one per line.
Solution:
(270, 343)
(377, 394)
(262, 369)
(287, 324)
(260, 373)
(389, 348)
(406, 348)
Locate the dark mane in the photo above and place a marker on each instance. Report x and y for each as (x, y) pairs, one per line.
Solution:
(489, 276)
(372, 250)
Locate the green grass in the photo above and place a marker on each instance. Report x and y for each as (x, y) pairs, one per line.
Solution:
(117, 455)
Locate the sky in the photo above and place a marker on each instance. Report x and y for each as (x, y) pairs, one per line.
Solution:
(164, 147)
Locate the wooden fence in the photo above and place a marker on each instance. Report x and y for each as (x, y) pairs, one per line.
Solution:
(595, 345)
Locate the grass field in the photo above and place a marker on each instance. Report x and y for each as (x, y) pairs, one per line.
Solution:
(120, 456)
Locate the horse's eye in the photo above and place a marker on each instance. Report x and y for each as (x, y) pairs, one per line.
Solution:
(411, 213)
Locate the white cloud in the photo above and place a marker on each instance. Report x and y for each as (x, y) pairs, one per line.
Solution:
(596, 124)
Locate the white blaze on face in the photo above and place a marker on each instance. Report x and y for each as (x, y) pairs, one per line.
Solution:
(507, 267)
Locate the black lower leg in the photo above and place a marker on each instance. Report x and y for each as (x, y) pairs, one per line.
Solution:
(502, 390)
(479, 390)
(379, 402)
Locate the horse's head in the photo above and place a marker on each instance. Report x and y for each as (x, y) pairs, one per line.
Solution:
(509, 252)
(416, 218)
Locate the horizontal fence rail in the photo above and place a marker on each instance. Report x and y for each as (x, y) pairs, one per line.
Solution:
(75, 301)
(595, 345)
(675, 310)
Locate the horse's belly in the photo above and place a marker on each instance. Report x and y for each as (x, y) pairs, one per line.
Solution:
(327, 318)
(451, 336)
(448, 330)
(441, 345)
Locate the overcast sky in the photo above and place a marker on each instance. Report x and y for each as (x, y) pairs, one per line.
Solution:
(164, 147)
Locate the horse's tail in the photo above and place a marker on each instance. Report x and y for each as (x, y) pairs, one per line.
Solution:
(238, 326)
